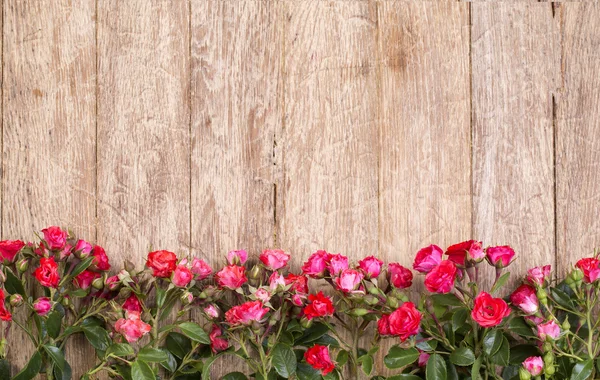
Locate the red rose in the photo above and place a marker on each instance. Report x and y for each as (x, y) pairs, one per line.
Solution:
(399, 276)
(467, 251)
(337, 263)
(47, 273)
(231, 276)
(500, 256)
(132, 304)
(441, 278)
(84, 279)
(317, 264)
(590, 268)
(163, 263)
(9, 249)
(319, 306)
(427, 258)
(299, 283)
(371, 266)
(525, 298)
(55, 237)
(349, 280)
(246, 313)
(182, 276)
(318, 357)
(217, 344)
(5, 315)
(274, 258)
(405, 321)
(100, 259)
(383, 325)
(489, 311)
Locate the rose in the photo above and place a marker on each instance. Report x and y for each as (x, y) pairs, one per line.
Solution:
(399, 276)
(132, 327)
(590, 268)
(201, 269)
(489, 311)
(100, 259)
(349, 280)
(463, 253)
(231, 276)
(238, 257)
(319, 306)
(318, 358)
(132, 304)
(405, 321)
(337, 263)
(534, 365)
(9, 250)
(42, 306)
(299, 283)
(316, 264)
(537, 275)
(262, 294)
(182, 276)
(371, 266)
(217, 344)
(84, 279)
(383, 325)
(47, 273)
(163, 263)
(82, 249)
(55, 237)
(427, 258)
(65, 252)
(441, 278)
(211, 311)
(500, 256)
(423, 358)
(274, 258)
(112, 283)
(525, 298)
(276, 281)
(5, 315)
(246, 313)
(548, 330)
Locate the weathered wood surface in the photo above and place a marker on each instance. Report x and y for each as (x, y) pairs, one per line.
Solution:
(360, 127)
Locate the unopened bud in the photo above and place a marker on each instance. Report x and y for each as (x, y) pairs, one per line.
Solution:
(66, 302)
(2, 277)
(3, 348)
(566, 325)
(371, 300)
(547, 346)
(549, 370)
(98, 283)
(392, 302)
(306, 323)
(542, 296)
(187, 298)
(358, 312)
(129, 266)
(16, 300)
(255, 273)
(22, 265)
(548, 358)
(524, 374)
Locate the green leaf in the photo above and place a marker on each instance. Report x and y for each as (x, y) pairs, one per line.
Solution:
(519, 353)
(54, 353)
(234, 376)
(582, 370)
(178, 344)
(492, 342)
(342, 358)
(142, 371)
(83, 265)
(161, 296)
(462, 356)
(448, 299)
(171, 363)
(476, 368)
(502, 356)
(306, 372)
(500, 282)
(313, 333)
(404, 376)
(284, 360)
(398, 357)
(53, 323)
(518, 326)
(97, 336)
(13, 285)
(460, 318)
(31, 369)
(367, 363)
(436, 368)
(63, 374)
(152, 355)
(561, 298)
(4, 369)
(121, 350)
(194, 332)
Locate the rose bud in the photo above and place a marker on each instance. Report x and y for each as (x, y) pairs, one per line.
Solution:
(200, 269)
(548, 331)
(16, 300)
(524, 374)
(423, 358)
(42, 306)
(187, 298)
(255, 273)
(82, 249)
(537, 276)
(182, 276)
(358, 312)
(500, 256)
(231, 277)
(392, 302)
(98, 283)
(132, 327)
(534, 365)
(22, 265)
(55, 237)
(465, 254)
(2, 277)
(274, 259)
(112, 283)
(371, 266)
(525, 299)
(399, 276)
(548, 358)
(212, 311)
(306, 323)
(318, 357)
(238, 257)
(427, 258)
(349, 280)
(317, 263)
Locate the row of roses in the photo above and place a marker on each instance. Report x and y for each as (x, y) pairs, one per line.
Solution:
(140, 323)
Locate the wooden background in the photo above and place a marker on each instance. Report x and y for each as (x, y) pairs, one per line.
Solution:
(360, 127)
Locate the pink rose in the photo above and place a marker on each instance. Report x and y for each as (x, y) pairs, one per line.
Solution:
(82, 249)
(100, 259)
(65, 252)
(55, 237)
(299, 283)
(238, 257)
(538, 275)
(316, 265)
(427, 258)
(534, 365)
(590, 267)
(132, 327)
(500, 256)
(262, 294)
(441, 278)
(349, 280)
(371, 266)
(423, 359)
(42, 306)
(112, 283)
(217, 344)
(246, 313)
(399, 276)
(548, 330)
(465, 253)
(212, 311)
(276, 281)
(182, 276)
(337, 263)
(534, 319)
(84, 279)
(274, 258)
(231, 277)
(405, 321)
(132, 304)
(9, 250)
(201, 269)
(525, 298)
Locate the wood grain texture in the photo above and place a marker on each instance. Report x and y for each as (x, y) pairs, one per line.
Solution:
(578, 135)
(514, 50)
(48, 132)
(143, 128)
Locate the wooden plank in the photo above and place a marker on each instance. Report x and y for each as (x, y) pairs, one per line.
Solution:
(48, 132)
(514, 65)
(578, 135)
(235, 114)
(143, 127)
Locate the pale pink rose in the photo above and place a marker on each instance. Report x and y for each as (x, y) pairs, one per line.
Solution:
(238, 257)
(42, 306)
(427, 258)
(534, 365)
(212, 311)
(182, 276)
(337, 263)
(548, 330)
(262, 294)
(371, 266)
(500, 256)
(132, 327)
(525, 298)
(201, 269)
(316, 265)
(538, 275)
(349, 280)
(276, 281)
(274, 258)
(231, 276)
